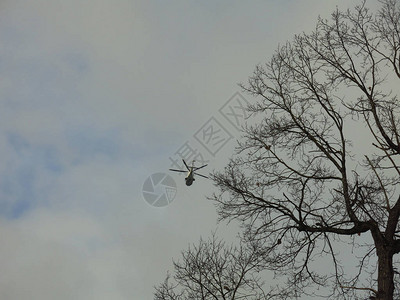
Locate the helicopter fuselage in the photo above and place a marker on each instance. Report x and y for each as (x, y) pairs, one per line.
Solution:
(189, 178)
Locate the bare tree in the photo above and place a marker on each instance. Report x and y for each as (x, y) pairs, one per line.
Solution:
(297, 182)
(213, 270)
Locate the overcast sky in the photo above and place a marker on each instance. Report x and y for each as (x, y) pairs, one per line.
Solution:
(96, 96)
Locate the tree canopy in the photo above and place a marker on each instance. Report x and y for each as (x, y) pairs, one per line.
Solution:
(318, 165)
(214, 270)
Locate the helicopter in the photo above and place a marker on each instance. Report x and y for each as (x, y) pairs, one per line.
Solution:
(191, 171)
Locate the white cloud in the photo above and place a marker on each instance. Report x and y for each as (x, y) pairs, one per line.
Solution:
(95, 96)
(47, 255)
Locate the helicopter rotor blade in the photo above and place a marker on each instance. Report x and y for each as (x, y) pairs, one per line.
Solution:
(185, 164)
(200, 167)
(200, 175)
(183, 171)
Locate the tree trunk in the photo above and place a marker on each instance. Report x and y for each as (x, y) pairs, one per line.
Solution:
(385, 273)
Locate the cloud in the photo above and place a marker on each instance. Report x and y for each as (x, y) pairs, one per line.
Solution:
(55, 255)
(95, 96)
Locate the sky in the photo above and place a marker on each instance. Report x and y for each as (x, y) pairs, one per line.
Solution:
(95, 97)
